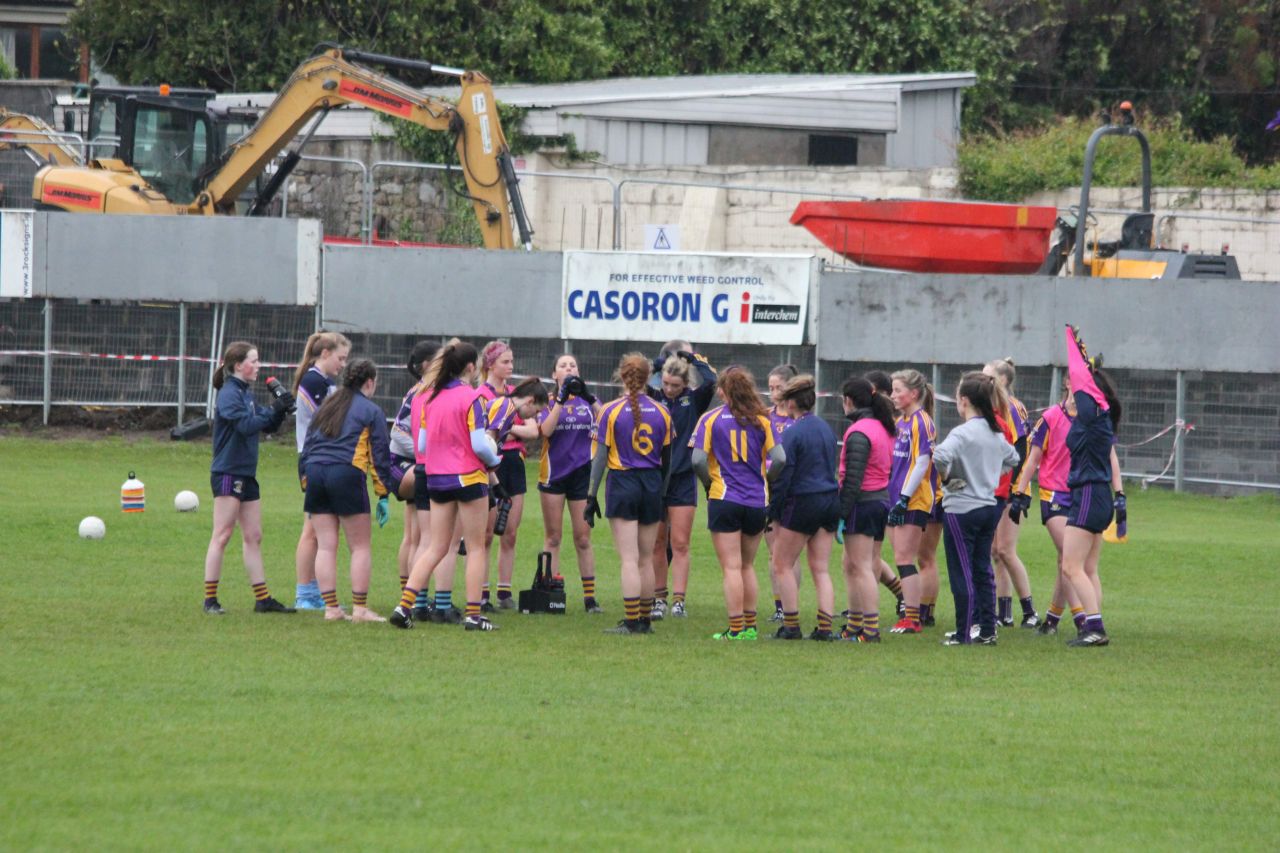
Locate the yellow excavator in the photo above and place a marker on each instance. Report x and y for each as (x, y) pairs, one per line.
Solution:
(169, 160)
(36, 138)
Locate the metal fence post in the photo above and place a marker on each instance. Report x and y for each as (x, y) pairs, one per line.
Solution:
(48, 359)
(935, 377)
(1055, 384)
(182, 361)
(1179, 415)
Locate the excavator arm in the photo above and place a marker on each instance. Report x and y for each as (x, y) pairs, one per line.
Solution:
(36, 138)
(331, 79)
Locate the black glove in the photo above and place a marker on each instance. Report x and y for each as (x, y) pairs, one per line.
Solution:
(687, 356)
(284, 404)
(898, 512)
(499, 492)
(1018, 506)
(592, 512)
(1122, 509)
(582, 392)
(566, 389)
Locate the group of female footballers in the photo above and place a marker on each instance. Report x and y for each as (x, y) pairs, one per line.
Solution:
(454, 455)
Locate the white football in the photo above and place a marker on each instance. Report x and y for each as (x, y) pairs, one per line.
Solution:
(186, 501)
(92, 528)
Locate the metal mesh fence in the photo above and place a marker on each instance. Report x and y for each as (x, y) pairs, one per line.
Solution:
(1235, 440)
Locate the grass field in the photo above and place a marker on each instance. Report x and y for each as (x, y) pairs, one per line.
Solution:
(130, 720)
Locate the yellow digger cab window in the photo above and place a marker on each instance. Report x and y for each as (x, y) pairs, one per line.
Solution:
(170, 147)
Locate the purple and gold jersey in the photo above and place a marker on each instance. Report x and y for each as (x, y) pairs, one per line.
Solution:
(568, 448)
(916, 435)
(503, 415)
(778, 423)
(736, 456)
(632, 445)
(1021, 420)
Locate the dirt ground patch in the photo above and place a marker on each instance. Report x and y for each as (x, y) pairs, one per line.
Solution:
(87, 422)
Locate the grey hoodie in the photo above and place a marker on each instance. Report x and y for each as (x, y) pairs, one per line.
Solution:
(973, 458)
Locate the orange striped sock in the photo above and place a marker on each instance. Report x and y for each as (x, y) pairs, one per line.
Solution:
(736, 623)
(210, 589)
(853, 622)
(646, 608)
(912, 614)
(871, 624)
(824, 620)
(260, 591)
(403, 583)
(895, 586)
(359, 599)
(631, 609)
(330, 597)
(748, 618)
(790, 620)
(473, 608)
(677, 598)
(589, 587)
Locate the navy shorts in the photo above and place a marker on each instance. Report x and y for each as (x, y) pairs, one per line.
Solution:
(462, 494)
(421, 494)
(682, 490)
(634, 495)
(399, 467)
(336, 490)
(917, 518)
(808, 514)
(1091, 507)
(511, 473)
(573, 485)
(1054, 509)
(238, 486)
(867, 519)
(935, 517)
(733, 517)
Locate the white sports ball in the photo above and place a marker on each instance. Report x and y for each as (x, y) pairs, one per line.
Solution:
(92, 528)
(186, 501)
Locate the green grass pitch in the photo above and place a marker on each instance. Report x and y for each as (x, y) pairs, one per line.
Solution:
(130, 720)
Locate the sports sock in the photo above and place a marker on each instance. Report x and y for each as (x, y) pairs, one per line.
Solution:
(260, 591)
(660, 594)
(791, 620)
(444, 600)
(484, 593)
(777, 605)
(1077, 616)
(748, 619)
(631, 609)
(504, 591)
(407, 597)
(677, 598)
(589, 588)
(473, 608)
(895, 586)
(871, 624)
(1028, 609)
(912, 614)
(330, 597)
(1093, 622)
(736, 624)
(422, 597)
(646, 608)
(853, 622)
(1053, 615)
(210, 590)
(404, 581)
(926, 612)
(824, 620)
(359, 599)
(1004, 607)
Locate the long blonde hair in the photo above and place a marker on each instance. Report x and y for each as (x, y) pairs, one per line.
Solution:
(915, 380)
(317, 345)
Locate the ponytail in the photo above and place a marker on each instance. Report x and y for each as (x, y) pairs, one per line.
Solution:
(448, 365)
(422, 352)
(237, 352)
(859, 391)
(980, 390)
(317, 345)
(633, 373)
(332, 413)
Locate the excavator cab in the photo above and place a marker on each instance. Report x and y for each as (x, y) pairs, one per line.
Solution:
(167, 135)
